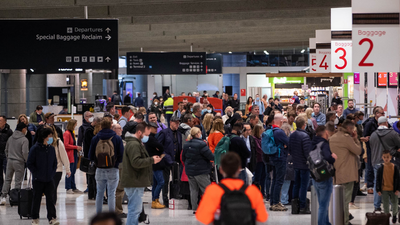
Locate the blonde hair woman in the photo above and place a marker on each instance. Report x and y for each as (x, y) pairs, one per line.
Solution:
(208, 122)
(72, 151)
(310, 119)
(197, 158)
(31, 128)
(62, 160)
(216, 134)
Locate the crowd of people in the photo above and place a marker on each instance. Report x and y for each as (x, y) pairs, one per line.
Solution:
(207, 154)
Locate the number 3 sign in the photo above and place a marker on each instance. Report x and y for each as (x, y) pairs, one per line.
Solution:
(341, 56)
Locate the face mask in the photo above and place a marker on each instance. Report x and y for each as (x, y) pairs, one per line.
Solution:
(50, 141)
(145, 139)
(229, 114)
(359, 122)
(154, 96)
(172, 96)
(201, 136)
(336, 121)
(191, 110)
(257, 99)
(155, 103)
(91, 119)
(209, 110)
(203, 111)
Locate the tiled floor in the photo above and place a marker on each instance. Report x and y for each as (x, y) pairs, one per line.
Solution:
(77, 210)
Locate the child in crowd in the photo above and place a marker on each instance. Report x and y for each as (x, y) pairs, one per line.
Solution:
(387, 184)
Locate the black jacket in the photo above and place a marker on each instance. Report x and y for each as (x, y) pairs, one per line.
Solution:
(325, 149)
(59, 133)
(81, 132)
(154, 147)
(197, 156)
(238, 145)
(379, 179)
(235, 104)
(338, 101)
(87, 140)
(166, 138)
(299, 147)
(253, 154)
(42, 162)
(4, 135)
(127, 100)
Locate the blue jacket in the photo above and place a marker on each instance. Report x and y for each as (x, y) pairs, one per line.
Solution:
(348, 111)
(395, 127)
(139, 102)
(281, 140)
(166, 138)
(299, 147)
(321, 118)
(117, 141)
(260, 106)
(325, 149)
(296, 99)
(197, 157)
(42, 162)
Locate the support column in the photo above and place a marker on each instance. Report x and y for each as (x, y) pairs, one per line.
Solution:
(14, 94)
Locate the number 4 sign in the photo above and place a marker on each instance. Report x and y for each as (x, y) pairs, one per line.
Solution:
(323, 60)
(341, 56)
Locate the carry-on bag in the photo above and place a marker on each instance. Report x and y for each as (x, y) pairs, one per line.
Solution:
(25, 200)
(378, 218)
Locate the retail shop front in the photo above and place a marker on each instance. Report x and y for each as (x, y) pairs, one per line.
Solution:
(313, 87)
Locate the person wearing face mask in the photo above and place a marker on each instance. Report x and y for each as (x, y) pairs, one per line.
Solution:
(88, 118)
(17, 150)
(169, 108)
(137, 169)
(260, 105)
(42, 162)
(208, 109)
(106, 177)
(197, 158)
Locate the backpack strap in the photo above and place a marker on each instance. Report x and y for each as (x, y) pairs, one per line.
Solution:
(243, 188)
(225, 188)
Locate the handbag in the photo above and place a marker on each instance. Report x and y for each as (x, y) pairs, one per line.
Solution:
(87, 166)
(378, 218)
(143, 217)
(289, 169)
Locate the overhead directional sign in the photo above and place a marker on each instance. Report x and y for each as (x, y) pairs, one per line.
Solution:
(214, 63)
(57, 45)
(166, 63)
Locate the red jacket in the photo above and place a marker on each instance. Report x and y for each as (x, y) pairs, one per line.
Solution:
(69, 145)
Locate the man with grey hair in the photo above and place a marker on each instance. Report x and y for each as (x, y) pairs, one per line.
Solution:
(197, 107)
(87, 119)
(384, 138)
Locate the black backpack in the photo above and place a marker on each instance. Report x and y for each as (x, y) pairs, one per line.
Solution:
(235, 208)
(320, 168)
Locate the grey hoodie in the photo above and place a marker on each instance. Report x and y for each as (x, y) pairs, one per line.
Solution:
(184, 129)
(17, 147)
(390, 140)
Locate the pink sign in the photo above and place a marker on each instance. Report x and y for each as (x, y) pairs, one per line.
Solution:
(357, 78)
(393, 79)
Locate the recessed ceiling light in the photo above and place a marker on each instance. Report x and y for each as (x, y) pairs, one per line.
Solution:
(302, 51)
(230, 52)
(265, 51)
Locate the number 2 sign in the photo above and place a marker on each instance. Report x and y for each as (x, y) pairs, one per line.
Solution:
(376, 48)
(323, 60)
(341, 56)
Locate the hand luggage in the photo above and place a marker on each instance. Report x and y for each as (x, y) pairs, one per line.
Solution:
(25, 198)
(174, 186)
(14, 193)
(378, 218)
(143, 217)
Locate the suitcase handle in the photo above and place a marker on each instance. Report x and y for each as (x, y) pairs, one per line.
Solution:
(29, 185)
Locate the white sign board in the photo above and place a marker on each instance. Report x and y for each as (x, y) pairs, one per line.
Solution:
(376, 48)
(323, 60)
(313, 56)
(341, 56)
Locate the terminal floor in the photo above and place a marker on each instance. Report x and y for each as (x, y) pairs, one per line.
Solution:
(77, 210)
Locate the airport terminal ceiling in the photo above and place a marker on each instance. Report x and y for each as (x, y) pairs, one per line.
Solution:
(208, 25)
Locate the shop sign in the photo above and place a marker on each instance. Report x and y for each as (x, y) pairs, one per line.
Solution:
(304, 87)
(84, 85)
(284, 80)
(356, 78)
(345, 81)
(341, 56)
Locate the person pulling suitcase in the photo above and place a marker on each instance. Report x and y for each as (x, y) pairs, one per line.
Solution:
(42, 163)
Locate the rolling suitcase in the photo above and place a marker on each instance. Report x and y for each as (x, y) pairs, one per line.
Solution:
(25, 200)
(14, 194)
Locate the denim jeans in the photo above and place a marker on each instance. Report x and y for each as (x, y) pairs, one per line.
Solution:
(135, 204)
(243, 175)
(377, 198)
(70, 181)
(106, 178)
(259, 176)
(301, 181)
(324, 192)
(278, 177)
(285, 192)
(158, 183)
(369, 169)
